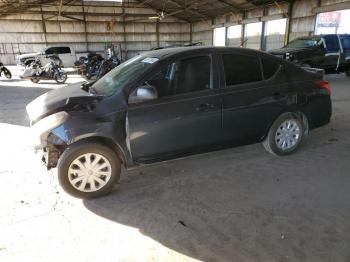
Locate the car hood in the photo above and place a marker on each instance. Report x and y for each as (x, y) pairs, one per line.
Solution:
(290, 50)
(67, 98)
(28, 55)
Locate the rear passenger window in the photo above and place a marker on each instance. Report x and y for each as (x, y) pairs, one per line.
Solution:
(240, 69)
(57, 50)
(64, 50)
(51, 51)
(270, 68)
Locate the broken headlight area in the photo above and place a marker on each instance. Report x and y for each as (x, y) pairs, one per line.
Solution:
(52, 139)
(42, 129)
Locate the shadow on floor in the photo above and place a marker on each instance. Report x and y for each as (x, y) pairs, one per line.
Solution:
(11, 80)
(13, 100)
(240, 205)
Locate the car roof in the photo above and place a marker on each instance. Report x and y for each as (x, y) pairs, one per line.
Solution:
(318, 37)
(315, 37)
(167, 52)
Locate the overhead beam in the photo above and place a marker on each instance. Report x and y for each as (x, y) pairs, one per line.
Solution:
(233, 7)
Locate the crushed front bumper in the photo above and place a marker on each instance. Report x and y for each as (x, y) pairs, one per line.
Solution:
(50, 156)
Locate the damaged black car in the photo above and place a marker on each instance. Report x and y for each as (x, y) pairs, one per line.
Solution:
(174, 102)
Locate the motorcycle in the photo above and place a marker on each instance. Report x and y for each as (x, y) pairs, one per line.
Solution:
(93, 65)
(5, 71)
(108, 64)
(52, 70)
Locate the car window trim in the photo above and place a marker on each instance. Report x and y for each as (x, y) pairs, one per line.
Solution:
(277, 72)
(223, 85)
(168, 62)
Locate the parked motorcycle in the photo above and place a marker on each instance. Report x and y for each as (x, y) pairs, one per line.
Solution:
(5, 71)
(94, 66)
(110, 63)
(52, 70)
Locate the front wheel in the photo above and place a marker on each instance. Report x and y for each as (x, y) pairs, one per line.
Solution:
(34, 80)
(61, 77)
(7, 73)
(88, 170)
(285, 135)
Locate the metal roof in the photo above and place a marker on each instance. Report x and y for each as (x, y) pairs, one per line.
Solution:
(187, 10)
(205, 9)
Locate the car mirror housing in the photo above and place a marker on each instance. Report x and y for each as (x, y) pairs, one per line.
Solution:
(143, 93)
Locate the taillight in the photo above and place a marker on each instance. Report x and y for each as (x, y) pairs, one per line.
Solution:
(324, 85)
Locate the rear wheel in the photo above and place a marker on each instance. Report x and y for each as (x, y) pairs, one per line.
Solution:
(61, 78)
(285, 135)
(34, 80)
(88, 170)
(347, 72)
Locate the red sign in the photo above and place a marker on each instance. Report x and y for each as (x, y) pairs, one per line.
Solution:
(330, 19)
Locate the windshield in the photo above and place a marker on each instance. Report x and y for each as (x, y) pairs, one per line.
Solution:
(302, 43)
(122, 75)
(345, 41)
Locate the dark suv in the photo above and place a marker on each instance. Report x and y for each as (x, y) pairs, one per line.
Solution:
(328, 52)
(173, 102)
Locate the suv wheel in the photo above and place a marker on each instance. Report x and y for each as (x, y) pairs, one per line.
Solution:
(347, 72)
(88, 170)
(285, 135)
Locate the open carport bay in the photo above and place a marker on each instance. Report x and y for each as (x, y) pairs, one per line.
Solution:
(241, 204)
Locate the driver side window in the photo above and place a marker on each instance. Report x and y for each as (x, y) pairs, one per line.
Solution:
(182, 76)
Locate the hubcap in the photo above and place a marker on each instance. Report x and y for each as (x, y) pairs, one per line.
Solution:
(287, 135)
(89, 172)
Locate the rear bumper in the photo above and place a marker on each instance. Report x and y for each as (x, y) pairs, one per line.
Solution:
(319, 111)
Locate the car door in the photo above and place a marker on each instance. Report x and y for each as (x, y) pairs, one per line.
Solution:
(345, 47)
(186, 116)
(66, 55)
(332, 58)
(250, 103)
(318, 56)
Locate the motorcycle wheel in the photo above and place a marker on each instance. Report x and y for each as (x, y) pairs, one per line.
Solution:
(7, 73)
(35, 80)
(61, 78)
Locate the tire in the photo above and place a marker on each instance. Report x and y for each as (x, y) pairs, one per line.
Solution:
(7, 73)
(35, 80)
(285, 135)
(61, 80)
(347, 72)
(73, 161)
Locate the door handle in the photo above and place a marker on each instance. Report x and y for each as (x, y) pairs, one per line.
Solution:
(204, 107)
(277, 95)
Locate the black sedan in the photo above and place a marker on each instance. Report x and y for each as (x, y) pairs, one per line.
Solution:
(174, 102)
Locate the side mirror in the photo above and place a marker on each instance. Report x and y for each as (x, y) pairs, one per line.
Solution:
(143, 93)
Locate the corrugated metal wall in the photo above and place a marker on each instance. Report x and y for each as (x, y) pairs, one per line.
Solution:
(25, 33)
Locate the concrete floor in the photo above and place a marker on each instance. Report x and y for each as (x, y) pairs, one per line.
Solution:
(240, 204)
